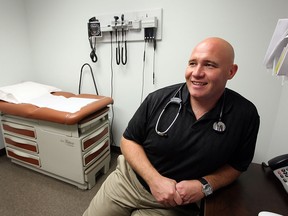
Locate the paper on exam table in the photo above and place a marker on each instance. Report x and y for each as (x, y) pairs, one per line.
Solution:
(278, 41)
(39, 95)
(61, 103)
(24, 91)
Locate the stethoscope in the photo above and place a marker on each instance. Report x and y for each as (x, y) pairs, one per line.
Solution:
(218, 126)
(120, 56)
(93, 54)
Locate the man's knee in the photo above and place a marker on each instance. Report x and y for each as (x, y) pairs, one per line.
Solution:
(152, 212)
(165, 212)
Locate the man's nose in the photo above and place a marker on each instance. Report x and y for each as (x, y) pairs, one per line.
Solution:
(198, 71)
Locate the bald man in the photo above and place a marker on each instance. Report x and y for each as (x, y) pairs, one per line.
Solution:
(184, 142)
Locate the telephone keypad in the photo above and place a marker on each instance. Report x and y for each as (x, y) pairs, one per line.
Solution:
(282, 175)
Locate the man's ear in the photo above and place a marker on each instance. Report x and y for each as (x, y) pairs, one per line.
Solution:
(233, 70)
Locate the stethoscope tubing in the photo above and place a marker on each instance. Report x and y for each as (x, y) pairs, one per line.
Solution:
(218, 126)
(175, 100)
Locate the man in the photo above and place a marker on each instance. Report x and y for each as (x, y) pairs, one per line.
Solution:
(184, 142)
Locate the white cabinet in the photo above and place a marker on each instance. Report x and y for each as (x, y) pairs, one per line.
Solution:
(71, 153)
(1, 142)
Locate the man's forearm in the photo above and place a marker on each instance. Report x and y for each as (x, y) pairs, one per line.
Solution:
(136, 157)
(191, 190)
(222, 177)
(163, 189)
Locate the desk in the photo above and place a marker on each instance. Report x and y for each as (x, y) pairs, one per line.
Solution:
(256, 190)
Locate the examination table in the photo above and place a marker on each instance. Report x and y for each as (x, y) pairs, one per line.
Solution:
(72, 147)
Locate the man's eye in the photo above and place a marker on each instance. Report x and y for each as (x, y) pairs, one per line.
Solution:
(192, 63)
(210, 65)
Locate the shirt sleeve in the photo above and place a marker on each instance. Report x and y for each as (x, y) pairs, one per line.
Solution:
(245, 151)
(136, 129)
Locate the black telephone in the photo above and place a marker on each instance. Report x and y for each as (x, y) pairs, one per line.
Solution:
(279, 165)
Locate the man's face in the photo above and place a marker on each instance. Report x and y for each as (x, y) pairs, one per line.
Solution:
(209, 67)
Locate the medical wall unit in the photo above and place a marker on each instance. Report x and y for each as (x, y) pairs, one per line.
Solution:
(124, 27)
(72, 147)
(137, 25)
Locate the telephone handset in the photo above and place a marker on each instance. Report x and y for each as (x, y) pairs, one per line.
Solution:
(279, 165)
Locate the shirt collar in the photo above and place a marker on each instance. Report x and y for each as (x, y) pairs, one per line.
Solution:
(214, 112)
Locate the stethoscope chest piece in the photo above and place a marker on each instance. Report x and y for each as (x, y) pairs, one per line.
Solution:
(219, 126)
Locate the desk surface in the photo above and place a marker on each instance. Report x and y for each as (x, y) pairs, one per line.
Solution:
(256, 190)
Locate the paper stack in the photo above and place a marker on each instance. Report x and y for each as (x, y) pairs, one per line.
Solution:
(276, 56)
(281, 67)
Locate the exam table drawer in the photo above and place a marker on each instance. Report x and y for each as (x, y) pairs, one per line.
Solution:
(23, 157)
(93, 121)
(20, 143)
(19, 129)
(95, 153)
(95, 137)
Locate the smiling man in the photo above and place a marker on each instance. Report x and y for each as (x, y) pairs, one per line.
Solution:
(210, 66)
(184, 142)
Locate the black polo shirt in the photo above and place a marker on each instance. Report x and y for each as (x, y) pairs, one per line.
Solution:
(192, 148)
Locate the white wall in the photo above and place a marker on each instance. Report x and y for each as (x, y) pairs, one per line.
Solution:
(59, 47)
(15, 65)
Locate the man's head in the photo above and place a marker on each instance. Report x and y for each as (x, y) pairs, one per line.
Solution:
(210, 66)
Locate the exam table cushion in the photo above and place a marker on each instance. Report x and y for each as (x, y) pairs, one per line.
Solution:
(47, 114)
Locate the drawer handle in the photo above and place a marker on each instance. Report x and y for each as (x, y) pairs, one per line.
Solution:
(95, 134)
(21, 141)
(92, 139)
(97, 147)
(21, 154)
(19, 129)
(23, 157)
(17, 126)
